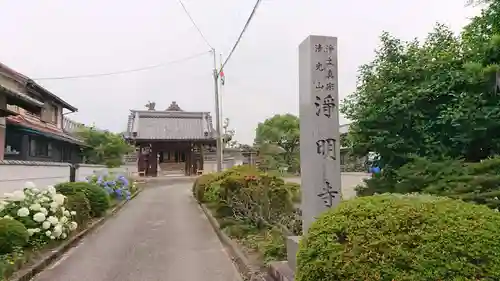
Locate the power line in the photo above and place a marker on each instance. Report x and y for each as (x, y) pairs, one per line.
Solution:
(241, 35)
(121, 72)
(195, 25)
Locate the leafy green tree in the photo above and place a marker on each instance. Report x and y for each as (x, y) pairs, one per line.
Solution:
(228, 135)
(433, 99)
(278, 140)
(104, 147)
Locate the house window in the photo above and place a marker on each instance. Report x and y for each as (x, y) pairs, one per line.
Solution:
(13, 141)
(36, 114)
(66, 154)
(53, 113)
(40, 147)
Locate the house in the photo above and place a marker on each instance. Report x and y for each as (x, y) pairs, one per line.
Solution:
(34, 127)
(171, 140)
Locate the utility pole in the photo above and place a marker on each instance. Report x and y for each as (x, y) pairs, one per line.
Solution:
(220, 147)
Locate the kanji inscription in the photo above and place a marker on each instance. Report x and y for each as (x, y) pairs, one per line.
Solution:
(328, 194)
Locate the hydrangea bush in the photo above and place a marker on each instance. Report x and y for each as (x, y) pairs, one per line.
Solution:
(117, 186)
(41, 211)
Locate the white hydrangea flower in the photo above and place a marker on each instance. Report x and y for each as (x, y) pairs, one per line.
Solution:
(53, 220)
(57, 230)
(7, 217)
(23, 212)
(54, 205)
(52, 237)
(51, 189)
(59, 198)
(63, 219)
(39, 217)
(35, 207)
(46, 225)
(35, 190)
(44, 211)
(63, 236)
(29, 185)
(73, 213)
(37, 230)
(18, 196)
(73, 225)
(67, 213)
(48, 233)
(31, 231)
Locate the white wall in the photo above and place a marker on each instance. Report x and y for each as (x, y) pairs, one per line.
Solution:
(14, 174)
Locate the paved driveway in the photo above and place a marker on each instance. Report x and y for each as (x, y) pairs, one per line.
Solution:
(161, 235)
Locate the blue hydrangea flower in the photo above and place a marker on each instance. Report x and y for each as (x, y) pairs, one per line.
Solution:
(109, 189)
(123, 180)
(118, 193)
(110, 183)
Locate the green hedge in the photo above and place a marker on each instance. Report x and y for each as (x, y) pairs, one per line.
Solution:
(13, 234)
(257, 208)
(98, 198)
(78, 202)
(474, 182)
(403, 238)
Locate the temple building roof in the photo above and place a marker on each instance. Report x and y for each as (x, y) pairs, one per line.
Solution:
(170, 124)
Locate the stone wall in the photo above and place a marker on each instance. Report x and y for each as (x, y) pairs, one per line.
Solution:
(14, 174)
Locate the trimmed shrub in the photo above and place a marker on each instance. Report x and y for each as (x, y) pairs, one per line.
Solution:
(404, 238)
(474, 182)
(201, 184)
(97, 196)
(13, 234)
(78, 202)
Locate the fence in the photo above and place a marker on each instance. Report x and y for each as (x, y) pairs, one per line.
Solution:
(14, 174)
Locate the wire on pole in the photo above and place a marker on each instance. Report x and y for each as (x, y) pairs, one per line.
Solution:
(195, 25)
(241, 35)
(121, 72)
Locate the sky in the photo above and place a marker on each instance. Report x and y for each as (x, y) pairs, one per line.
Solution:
(53, 38)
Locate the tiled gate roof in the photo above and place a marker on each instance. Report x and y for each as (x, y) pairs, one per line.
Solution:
(170, 125)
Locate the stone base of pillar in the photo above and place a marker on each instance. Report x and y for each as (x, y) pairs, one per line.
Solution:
(285, 270)
(281, 271)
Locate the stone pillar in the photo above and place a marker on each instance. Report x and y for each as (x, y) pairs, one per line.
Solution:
(319, 132)
(319, 126)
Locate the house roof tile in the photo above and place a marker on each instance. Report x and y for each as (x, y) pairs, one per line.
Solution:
(42, 128)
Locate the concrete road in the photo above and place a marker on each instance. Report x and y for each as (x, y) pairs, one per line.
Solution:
(349, 181)
(161, 235)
